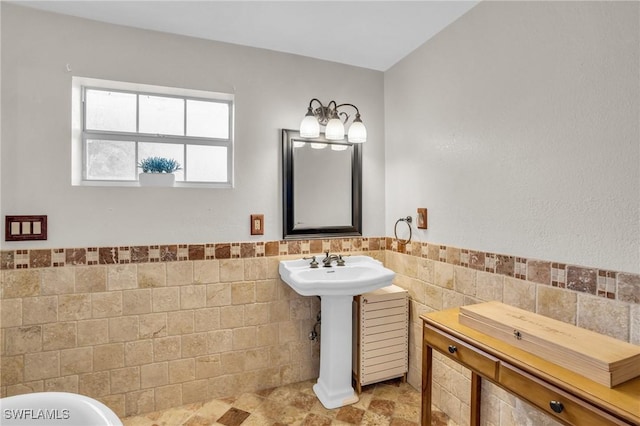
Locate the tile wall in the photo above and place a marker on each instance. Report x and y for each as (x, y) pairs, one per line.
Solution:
(143, 328)
(151, 327)
(439, 277)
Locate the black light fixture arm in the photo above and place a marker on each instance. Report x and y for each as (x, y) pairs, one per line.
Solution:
(346, 116)
(326, 113)
(351, 105)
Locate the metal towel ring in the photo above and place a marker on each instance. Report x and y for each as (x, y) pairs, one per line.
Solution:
(406, 220)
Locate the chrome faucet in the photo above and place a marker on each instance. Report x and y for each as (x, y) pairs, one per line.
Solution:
(328, 258)
(331, 257)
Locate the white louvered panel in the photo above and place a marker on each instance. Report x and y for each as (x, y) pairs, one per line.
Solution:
(381, 329)
(377, 313)
(372, 315)
(384, 294)
(391, 341)
(383, 375)
(381, 306)
(389, 365)
(371, 355)
(391, 319)
(369, 329)
(382, 336)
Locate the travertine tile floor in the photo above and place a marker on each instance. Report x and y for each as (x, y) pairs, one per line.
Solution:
(390, 403)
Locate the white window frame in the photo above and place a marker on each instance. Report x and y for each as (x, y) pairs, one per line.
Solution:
(79, 134)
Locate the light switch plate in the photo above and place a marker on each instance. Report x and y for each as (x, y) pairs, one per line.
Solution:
(257, 224)
(25, 228)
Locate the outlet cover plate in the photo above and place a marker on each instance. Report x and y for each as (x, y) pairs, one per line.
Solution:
(422, 218)
(257, 224)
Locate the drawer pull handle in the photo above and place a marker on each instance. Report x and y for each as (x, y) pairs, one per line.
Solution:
(452, 349)
(556, 406)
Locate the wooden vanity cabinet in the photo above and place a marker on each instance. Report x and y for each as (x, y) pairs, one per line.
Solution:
(570, 398)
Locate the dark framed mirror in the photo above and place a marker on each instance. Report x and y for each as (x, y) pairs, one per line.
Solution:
(321, 187)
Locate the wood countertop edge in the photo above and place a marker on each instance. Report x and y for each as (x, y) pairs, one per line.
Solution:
(628, 392)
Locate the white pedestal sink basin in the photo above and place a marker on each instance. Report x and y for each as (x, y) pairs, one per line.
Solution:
(336, 287)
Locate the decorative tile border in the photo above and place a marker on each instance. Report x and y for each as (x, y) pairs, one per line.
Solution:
(604, 283)
(60, 257)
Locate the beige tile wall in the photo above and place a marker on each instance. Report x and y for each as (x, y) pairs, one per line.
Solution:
(157, 327)
(143, 337)
(435, 285)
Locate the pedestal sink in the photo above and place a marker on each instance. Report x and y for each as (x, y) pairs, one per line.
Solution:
(336, 286)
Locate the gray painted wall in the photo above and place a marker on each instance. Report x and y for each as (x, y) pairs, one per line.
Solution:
(518, 127)
(272, 91)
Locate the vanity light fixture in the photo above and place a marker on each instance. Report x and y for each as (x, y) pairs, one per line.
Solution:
(334, 119)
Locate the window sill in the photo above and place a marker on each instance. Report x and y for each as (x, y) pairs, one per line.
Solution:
(136, 184)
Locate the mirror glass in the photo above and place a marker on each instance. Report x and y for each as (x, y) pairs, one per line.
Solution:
(321, 187)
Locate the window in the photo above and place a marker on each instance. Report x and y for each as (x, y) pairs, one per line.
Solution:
(118, 124)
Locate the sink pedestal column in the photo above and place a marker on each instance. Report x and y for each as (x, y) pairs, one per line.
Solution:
(333, 388)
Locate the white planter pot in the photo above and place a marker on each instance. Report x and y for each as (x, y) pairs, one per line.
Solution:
(156, 179)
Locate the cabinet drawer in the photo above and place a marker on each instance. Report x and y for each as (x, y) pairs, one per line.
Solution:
(547, 397)
(469, 356)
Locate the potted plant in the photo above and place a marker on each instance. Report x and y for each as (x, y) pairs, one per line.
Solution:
(158, 171)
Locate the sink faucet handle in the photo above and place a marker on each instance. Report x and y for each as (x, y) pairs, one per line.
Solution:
(340, 261)
(314, 262)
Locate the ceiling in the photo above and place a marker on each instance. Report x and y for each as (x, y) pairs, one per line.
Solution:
(369, 34)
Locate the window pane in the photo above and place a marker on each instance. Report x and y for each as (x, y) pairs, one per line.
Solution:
(174, 151)
(111, 160)
(110, 111)
(159, 115)
(207, 163)
(207, 119)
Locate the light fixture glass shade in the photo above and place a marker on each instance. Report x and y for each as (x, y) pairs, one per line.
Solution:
(309, 128)
(338, 147)
(334, 130)
(357, 132)
(317, 145)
